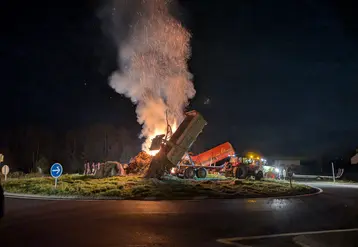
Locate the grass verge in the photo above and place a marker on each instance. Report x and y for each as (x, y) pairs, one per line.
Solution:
(138, 188)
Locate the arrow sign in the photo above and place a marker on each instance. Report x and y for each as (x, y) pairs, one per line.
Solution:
(56, 171)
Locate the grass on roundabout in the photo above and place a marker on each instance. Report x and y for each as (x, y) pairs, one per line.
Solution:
(132, 187)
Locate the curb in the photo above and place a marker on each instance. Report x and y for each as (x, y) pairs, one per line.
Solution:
(104, 198)
(57, 198)
(303, 239)
(88, 198)
(319, 191)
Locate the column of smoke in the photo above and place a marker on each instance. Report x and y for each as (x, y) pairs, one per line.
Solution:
(153, 49)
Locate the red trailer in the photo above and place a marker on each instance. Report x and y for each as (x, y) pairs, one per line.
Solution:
(221, 158)
(213, 155)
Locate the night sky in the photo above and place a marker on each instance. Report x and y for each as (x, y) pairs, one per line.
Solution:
(275, 76)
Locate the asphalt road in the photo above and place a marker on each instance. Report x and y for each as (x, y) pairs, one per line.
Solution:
(178, 223)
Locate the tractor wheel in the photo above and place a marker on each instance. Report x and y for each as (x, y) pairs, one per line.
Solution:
(259, 175)
(201, 172)
(189, 173)
(240, 172)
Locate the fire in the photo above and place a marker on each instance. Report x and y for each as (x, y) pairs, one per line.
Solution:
(152, 64)
(153, 152)
(156, 132)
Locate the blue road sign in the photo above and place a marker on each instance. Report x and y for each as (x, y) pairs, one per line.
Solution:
(56, 170)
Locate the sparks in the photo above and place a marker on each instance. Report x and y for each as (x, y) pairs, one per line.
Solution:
(154, 69)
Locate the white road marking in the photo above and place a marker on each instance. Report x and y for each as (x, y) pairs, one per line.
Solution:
(231, 241)
(331, 184)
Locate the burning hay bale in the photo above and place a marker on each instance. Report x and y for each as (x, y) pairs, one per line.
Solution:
(153, 167)
(139, 164)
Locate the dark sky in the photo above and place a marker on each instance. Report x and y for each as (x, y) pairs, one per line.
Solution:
(281, 76)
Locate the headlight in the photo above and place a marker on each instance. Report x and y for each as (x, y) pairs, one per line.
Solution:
(277, 170)
(173, 170)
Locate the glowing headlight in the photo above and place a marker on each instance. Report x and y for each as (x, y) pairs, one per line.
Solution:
(277, 170)
(173, 170)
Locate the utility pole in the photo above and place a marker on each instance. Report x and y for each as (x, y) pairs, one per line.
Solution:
(334, 178)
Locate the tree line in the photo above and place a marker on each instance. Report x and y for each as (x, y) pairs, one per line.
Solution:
(27, 148)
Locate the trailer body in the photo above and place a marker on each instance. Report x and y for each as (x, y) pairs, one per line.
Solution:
(216, 154)
(173, 150)
(184, 137)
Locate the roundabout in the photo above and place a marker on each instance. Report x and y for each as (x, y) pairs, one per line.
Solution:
(136, 188)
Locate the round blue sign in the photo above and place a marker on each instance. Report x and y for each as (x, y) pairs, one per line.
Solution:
(56, 170)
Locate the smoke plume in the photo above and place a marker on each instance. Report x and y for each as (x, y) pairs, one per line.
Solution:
(153, 50)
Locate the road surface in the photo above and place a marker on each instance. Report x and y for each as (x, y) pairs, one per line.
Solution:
(181, 223)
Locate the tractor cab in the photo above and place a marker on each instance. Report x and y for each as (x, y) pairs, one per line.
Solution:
(245, 165)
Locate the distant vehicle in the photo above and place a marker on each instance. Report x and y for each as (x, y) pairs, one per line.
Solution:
(2, 202)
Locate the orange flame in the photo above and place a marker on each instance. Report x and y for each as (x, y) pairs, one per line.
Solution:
(152, 136)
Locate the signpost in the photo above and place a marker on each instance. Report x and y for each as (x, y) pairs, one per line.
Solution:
(334, 177)
(5, 170)
(56, 171)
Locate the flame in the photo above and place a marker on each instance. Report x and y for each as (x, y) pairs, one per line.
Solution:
(153, 152)
(153, 61)
(156, 132)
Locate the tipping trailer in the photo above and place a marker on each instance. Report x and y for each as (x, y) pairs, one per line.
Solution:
(221, 159)
(173, 156)
(174, 148)
(213, 159)
(214, 155)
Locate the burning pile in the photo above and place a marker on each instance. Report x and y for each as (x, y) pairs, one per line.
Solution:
(139, 164)
(153, 49)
